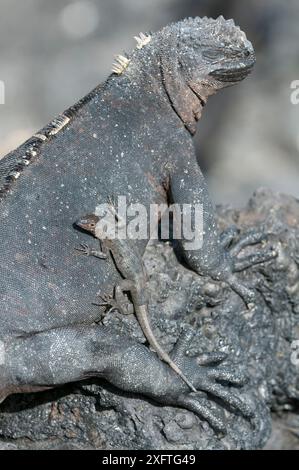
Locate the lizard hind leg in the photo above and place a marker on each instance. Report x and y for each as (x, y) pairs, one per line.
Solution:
(116, 302)
(123, 303)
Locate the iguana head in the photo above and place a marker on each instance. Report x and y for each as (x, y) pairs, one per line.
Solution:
(213, 50)
(201, 56)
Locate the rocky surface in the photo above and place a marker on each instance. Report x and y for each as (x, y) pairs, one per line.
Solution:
(260, 342)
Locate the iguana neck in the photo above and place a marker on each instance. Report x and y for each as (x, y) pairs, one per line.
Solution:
(185, 99)
(154, 78)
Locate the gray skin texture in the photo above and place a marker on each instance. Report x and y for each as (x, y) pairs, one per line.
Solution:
(131, 136)
(95, 415)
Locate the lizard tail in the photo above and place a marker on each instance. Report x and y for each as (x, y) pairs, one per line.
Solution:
(142, 317)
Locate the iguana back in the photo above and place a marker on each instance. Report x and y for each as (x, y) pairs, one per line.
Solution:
(107, 146)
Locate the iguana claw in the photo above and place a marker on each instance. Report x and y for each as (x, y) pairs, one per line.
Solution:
(243, 262)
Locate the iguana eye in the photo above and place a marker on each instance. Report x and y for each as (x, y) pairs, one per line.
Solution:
(212, 54)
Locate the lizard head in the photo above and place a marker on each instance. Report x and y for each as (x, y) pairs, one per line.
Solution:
(215, 52)
(205, 55)
(88, 223)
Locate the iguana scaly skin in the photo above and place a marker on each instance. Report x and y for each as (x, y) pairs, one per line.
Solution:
(133, 136)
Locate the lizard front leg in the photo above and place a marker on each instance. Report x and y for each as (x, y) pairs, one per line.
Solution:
(213, 257)
(85, 249)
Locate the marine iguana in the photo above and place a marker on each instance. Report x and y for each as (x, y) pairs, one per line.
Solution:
(132, 134)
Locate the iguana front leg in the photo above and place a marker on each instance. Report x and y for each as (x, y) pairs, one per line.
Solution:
(213, 257)
(62, 355)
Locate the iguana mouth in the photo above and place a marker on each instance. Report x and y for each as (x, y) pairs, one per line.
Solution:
(232, 74)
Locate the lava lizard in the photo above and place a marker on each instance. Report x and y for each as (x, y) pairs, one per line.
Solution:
(130, 265)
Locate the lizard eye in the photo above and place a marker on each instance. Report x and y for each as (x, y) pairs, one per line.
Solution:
(212, 54)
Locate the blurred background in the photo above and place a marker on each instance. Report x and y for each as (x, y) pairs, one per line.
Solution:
(53, 52)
